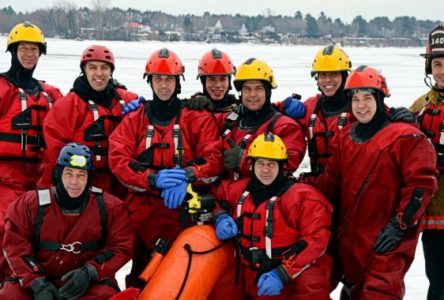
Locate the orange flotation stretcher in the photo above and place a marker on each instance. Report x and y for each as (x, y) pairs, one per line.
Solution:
(198, 265)
(192, 267)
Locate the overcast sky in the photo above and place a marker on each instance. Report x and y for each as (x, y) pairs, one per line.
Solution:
(343, 9)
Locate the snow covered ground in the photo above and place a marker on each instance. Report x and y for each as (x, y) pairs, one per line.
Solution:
(403, 68)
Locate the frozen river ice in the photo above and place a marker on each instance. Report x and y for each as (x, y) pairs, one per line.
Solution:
(403, 68)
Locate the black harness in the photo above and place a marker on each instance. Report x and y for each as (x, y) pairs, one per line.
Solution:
(145, 160)
(259, 260)
(44, 200)
(23, 122)
(96, 131)
(313, 151)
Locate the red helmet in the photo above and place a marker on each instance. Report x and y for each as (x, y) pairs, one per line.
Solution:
(435, 47)
(366, 78)
(215, 62)
(164, 62)
(97, 52)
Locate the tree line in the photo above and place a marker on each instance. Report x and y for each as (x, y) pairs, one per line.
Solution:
(65, 20)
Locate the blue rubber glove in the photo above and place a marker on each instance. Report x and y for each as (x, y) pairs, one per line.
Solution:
(226, 227)
(168, 178)
(173, 196)
(294, 108)
(133, 105)
(269, 284)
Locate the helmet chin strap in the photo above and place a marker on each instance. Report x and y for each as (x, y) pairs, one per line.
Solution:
(428, 81)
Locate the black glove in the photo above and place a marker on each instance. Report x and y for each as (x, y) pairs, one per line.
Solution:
(233, 156)
(201, 102)
(78, 281)
(118, 84)
(402, 114)
(389, 237)
(44, 290)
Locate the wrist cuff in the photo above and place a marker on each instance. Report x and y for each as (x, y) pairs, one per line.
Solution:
(219, 213)
(283, 274)
(92, 272)
(189, 173)
(152, 180)
(37, 285)
(239, 158)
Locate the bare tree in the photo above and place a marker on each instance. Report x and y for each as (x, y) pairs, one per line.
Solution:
(268, 12)
(100, 5)
(65, 5)
(64, 17)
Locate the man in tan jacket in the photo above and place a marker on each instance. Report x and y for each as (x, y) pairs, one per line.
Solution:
(429, 109)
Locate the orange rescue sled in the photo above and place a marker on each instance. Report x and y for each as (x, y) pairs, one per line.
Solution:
(196, 261)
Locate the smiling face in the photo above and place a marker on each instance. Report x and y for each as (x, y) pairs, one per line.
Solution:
(28, 54)
(329, 82)
(266, 170)
(217, 86)
(253, 94)
(438, 71)
(74, 180)
(98, 74)
(363, 106)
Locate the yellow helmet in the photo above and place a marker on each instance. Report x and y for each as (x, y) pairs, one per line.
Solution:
(254, 69)
(26, 32)
(269, 146)
(330, 59)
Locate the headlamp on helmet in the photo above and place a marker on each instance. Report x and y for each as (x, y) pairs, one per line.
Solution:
(75, 155)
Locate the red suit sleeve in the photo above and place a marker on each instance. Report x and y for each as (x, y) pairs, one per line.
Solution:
(227, 193)
(220, 193)
(279, 106)
(203, 133)
(417, 162)
(7, 94)
(17, 245)
(124, 145)
(311, 215)
(53, 92)
(417, 172)
(119, 239)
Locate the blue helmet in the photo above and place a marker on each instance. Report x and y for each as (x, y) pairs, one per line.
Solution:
(75, 155)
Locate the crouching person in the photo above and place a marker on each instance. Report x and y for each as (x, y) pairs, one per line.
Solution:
(282, 227)
(67, 241)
